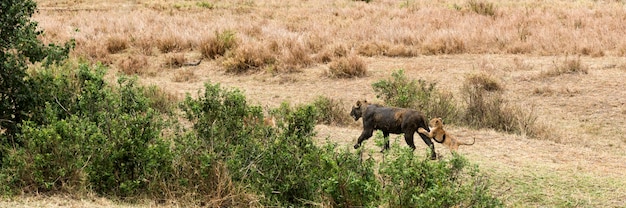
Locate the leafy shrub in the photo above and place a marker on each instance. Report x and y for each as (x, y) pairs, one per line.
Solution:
(215, 46)
(20, 46)
(96, 136)
(347, 180)
(420, 95)
(51, 158)
(413, 181)
(347, 67)
(331, 111)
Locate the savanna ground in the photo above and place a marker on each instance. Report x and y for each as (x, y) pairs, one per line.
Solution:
(579, 161)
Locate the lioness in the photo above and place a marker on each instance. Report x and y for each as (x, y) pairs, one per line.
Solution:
(439, 134)
(390, 120)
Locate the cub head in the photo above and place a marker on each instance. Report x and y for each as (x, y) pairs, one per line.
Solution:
(436, 123)
(358, 109)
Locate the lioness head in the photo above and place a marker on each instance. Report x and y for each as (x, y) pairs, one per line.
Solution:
(436, 123)
(358, 109)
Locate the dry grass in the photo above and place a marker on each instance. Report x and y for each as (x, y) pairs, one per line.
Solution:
(568, 66)
(248, 58)
(347, 67)
(175, 60)
(134, 64)
(185, 75)
(116, 44)
(217, 45)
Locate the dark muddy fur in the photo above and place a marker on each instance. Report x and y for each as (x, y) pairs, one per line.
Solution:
(390, 121)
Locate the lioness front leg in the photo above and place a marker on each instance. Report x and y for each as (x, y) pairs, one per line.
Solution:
(428, 134)
(366, 134)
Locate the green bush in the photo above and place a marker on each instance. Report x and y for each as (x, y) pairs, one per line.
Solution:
(96, 137)
(54, 157)
(400, 91)
(347, 180)
(19, 47)
(413, 181)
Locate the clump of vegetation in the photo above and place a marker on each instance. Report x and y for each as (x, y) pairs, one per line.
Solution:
(413, 181)
(216, 46)
(168, 44)
(133, 64)
(482, 8)
(331, 111)
(175, 60)
(403, 92)
(248, 58)
(568, 66)
(486, 107)
(116, 44)
(295, 57)
(444, 42)
(206, 5)
(347, 67)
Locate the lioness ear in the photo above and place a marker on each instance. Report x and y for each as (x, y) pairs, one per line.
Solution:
(358, 103)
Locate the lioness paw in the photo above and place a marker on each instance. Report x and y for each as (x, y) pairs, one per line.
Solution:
(422, 130)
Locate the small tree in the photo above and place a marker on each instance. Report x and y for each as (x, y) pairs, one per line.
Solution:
(20, 47)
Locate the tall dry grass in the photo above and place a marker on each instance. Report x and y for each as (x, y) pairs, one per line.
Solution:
(308, 32)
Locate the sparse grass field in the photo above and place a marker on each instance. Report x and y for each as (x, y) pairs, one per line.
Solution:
(562, 60)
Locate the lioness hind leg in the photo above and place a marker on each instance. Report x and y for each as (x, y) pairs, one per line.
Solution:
(433, 155)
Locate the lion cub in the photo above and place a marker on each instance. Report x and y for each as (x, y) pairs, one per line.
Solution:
(438, 134)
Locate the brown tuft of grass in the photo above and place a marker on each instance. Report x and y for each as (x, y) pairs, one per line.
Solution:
(325, 56)
(216, 46)
(161, 100)
(568, 66)
(347, 67)
(443, 43)
(373, 48)
(483, 81)
(543, 91)
(340, 50)
(487, 108)
(144, 45)
(296, 57)
(248, 58)
(116, 44)
(133, 64)
(94, 52)
(168, 44)
(481, 7)
(331, 111)
(401, 51)
(185, 75)
(175, 60)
